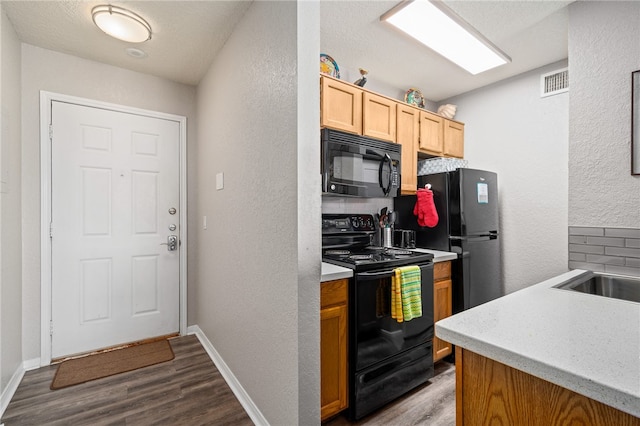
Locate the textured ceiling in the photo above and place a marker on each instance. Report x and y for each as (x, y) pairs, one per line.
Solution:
(188, 34)
(532, 33)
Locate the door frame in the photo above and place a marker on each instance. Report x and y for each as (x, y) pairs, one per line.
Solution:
(46, 98)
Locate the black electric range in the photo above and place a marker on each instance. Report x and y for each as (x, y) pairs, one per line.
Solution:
(387, 357)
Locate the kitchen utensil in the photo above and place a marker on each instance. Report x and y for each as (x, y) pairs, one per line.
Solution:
(392, 217)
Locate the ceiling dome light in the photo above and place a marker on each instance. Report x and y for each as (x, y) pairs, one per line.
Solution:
(121, 23)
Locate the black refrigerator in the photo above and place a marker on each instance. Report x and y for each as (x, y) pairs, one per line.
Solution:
(467, 204)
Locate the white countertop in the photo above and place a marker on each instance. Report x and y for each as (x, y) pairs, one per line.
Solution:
(438, 256)
(586, 343)
(332, 272)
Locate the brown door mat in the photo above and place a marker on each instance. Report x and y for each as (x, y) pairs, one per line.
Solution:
(92, 367)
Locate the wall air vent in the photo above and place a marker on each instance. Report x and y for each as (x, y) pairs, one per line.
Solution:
(555, 82)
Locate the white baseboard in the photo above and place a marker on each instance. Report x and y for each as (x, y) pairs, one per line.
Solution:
(243, 397)
(31, 364)
(14, 382)
(11, 388)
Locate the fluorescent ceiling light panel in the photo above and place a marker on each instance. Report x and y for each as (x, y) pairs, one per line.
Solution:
(442, 30)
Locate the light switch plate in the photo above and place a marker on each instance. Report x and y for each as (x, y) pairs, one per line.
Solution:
(219, 181)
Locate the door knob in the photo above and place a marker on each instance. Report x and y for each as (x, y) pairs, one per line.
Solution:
(172, 243)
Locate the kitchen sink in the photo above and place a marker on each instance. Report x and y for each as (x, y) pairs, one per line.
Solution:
(615, 286)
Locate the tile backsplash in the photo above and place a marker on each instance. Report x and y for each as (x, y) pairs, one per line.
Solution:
(603, 249)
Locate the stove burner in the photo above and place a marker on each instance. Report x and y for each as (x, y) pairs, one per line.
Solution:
(337, 252)
(398, 252)
(361, 256)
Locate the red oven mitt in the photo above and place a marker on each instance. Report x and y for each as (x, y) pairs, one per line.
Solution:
(425, 209)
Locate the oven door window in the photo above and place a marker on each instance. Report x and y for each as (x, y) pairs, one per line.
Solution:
(377, 335)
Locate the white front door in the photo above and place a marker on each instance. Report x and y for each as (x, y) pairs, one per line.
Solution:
(114, 205)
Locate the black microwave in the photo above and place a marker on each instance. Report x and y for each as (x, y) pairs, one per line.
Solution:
(359, 166)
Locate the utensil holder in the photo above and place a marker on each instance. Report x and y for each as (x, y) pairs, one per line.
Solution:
(387, 237)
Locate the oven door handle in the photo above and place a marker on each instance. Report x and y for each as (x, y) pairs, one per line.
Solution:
(374, 275)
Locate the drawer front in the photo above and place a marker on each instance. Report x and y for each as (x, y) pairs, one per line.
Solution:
(334, 292)
(441, 271)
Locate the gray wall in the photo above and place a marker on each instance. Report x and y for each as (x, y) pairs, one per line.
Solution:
(511, 130)
(603, 49)
(56, 72)
(250, 303)
(10, 210)
(308, 208)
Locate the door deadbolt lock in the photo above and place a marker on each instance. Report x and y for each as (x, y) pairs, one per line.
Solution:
(172, 210)
(172, 243)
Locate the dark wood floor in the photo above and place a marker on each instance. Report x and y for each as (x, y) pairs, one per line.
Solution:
(191, 391)
(186, 391)
(432, 404)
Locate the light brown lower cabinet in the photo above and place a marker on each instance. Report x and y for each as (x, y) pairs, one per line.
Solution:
(442, 305)
(491, 393)
(334, 296)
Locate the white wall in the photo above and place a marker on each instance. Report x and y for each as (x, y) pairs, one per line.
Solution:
(309, 201)
(56, 72)
(604, 49)
(509, 129)
(248, 294)
(10, 210)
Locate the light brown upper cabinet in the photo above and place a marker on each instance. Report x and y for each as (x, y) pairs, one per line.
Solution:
(453, 139)
(341, 106)
(378, 117)
(431, 133)
(350, 108)
(407, 135)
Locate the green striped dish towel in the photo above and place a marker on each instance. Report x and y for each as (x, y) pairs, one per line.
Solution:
(407, 283)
